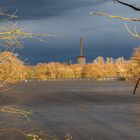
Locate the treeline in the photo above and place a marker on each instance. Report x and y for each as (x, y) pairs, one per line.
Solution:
(12, 69)
(100, 68)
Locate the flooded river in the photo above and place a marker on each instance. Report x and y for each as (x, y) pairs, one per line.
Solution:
(85, 110)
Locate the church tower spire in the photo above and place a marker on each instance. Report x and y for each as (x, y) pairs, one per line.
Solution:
(81, 46)
(81, 59)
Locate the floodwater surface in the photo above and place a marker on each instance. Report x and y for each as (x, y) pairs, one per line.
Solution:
(86, 110)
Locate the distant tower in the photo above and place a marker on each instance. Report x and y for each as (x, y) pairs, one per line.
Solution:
(81, 59)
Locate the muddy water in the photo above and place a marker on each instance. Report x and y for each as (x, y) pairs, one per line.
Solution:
(83, 109)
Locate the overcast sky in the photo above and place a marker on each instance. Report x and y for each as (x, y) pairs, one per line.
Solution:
(102, 36)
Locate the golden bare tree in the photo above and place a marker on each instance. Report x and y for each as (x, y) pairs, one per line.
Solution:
(12, 36)
(136, 62)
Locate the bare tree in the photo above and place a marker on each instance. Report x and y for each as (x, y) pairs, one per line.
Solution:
(133, 33)
(12, 36)
(11, 69)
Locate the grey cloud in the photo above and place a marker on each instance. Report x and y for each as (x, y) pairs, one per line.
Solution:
(36, 9)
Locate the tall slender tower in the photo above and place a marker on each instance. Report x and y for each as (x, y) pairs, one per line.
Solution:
(81, 59)
(81, 46)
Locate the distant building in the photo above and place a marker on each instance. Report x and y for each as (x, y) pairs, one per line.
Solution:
(81, 59)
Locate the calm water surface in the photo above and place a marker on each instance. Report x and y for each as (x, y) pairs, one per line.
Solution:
(84, 109)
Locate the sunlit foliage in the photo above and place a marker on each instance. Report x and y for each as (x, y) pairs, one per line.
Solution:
(136, 62)
(11, 68)
(100, 68)
(11, 36)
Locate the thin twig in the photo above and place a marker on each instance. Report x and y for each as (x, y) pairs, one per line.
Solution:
(135, 34)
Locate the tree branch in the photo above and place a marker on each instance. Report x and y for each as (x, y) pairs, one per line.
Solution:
(113, 16)
(129, 5)
(135, 34)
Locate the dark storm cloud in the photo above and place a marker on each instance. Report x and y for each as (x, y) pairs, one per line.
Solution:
(34, 9)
